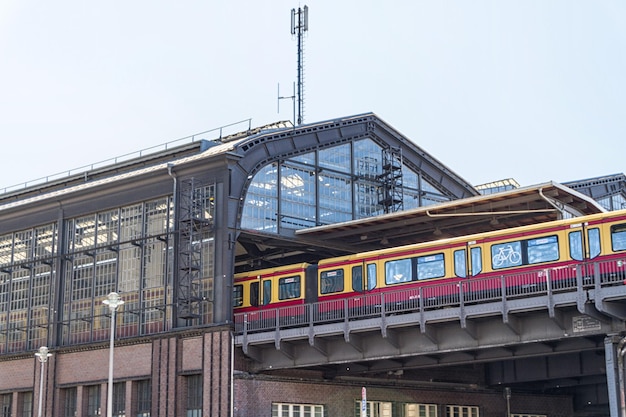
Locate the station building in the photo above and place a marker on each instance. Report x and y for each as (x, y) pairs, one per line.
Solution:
(167, 229)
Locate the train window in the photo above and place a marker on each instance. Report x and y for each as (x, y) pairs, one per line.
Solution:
(237, 295)
(543, 249)
(371, 276)
(398, 271)
(505, 255)
(289, 288)
(618, 237)
(594, 242)
(576, 245)
(431, 266)
(254, 294)
(267, 292)
(460, 265)
(357, 278)
(477, 260)
(331, 281)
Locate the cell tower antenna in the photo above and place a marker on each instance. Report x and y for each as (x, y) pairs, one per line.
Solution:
(299, 25)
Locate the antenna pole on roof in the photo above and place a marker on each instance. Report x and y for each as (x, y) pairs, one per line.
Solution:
(299, 25)
(293, 100)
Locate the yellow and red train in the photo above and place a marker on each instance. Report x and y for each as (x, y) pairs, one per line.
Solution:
(552, 250)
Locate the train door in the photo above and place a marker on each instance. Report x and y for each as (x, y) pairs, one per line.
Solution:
(261, 292)
(584, 246)
(468, 263)
(363, 277)
(474, 260)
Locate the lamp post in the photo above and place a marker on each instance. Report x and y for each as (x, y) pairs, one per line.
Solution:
(113, 301)
(43, 356)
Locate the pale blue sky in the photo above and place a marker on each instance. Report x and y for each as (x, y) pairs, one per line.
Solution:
(533, 90)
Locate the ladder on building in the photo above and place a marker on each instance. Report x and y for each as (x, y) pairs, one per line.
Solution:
(193, 225)
(390, 194)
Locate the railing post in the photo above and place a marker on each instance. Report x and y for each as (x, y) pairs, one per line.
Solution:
(596, 275)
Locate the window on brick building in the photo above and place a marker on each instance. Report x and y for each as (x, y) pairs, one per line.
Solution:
(92, 394)
(119, 399)
(144, 398)
(375, 409)
(5, 400)
(297, 410)
(194, 396)
(69, 402)
(462, 411)
(528, 415)
(420, 410)
(26, 404)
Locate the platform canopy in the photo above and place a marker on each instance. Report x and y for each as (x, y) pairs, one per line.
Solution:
(518, 207)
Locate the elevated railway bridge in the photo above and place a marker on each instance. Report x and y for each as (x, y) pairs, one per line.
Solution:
(555, 336)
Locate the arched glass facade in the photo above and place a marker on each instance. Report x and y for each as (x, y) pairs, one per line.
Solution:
(327, 186)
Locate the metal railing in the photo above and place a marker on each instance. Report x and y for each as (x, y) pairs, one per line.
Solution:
(126, 157)
(428, 297)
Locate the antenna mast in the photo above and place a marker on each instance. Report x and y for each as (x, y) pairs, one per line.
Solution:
(299, 25)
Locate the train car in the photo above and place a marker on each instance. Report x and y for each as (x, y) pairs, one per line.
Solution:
(260, 292)
(520, 260)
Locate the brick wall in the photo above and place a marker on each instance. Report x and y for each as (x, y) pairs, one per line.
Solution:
(254, 396)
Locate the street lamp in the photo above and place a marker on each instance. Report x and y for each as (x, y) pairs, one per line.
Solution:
(113, 301)
(43, 356)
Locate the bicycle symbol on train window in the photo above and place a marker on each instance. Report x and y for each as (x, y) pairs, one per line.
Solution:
(506, 256)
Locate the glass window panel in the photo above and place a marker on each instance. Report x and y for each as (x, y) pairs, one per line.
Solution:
(543, 249)
(288, 288)
(194, 396)
(93, 400)
(336, 158)
(84, 236)
(398, 271)
(618, 237)
(366, 200)
(298, 197)
(477, 260)
(69, 402)
(576, 245)
(144, 398)
(45, 242)
(371, 276)
(460, 266)
(119, 399)
(107, 227)
(357, 278)
(307, 158)
(131, 222)
(261, 204)
(431, 266)
(367, 159)
(335, 198)
(506, 255)
(6, 249)
(594, 242)
(23, 246)
(331, 281)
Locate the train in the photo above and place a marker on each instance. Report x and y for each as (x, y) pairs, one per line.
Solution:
(434, 270)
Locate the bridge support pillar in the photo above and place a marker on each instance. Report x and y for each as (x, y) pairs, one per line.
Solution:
(613, 345)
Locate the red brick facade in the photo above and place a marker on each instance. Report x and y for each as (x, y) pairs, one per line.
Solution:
(166, 362)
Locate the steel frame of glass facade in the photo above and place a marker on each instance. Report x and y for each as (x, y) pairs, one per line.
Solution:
(327, 186)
